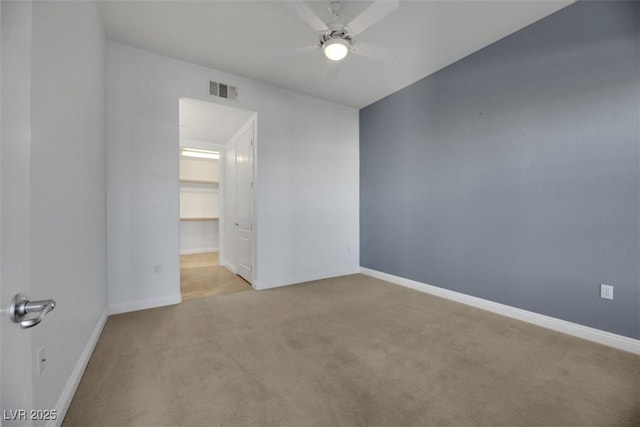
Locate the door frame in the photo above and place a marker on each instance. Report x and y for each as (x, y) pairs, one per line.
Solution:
(222, 190)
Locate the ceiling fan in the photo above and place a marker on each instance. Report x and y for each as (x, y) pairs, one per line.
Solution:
(336, 39)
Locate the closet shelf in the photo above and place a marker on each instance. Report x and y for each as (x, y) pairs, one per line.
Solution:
(213, 218)
(198, 181)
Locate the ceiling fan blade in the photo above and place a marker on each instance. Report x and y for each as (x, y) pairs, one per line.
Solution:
(377, 53)
(374, 13)
(284, 53)
(307, 15)
(301, 50)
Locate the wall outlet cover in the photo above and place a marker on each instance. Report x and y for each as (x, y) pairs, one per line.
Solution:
(606, 292)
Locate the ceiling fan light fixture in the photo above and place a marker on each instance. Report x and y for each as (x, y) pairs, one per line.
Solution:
(336, 49)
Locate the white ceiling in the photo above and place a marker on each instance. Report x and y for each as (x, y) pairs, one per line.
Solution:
(259, 39)
(209, 122)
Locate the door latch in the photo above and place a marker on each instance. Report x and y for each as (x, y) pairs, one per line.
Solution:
(29, 313)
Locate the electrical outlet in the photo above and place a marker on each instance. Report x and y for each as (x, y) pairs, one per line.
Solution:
(41, 360)
(606, 292)
(157, 268)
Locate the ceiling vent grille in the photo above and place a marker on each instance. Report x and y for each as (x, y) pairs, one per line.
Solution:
(223, 90)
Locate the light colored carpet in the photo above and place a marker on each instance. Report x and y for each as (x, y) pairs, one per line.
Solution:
(202, 276)
(349, 351)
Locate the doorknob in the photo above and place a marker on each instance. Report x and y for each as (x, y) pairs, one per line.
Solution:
(236, 224)
(21, 306)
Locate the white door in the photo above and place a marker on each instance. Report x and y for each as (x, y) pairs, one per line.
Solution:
(16, 355)
(244, 204)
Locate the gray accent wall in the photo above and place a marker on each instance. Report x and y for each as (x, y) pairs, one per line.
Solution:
(513, 174)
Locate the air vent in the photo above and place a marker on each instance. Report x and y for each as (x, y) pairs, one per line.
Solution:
(223, 90)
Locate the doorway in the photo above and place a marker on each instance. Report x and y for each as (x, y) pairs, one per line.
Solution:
(214, 175)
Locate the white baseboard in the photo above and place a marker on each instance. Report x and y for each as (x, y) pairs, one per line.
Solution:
(295, 280)
(70, 387)
(228, 266)
(198, 251)
(585, 332)
(125, 307)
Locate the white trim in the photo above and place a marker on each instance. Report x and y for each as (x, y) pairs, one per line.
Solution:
(302, 278)
(70, 387)
(125, 307)
(228, 266)
(198, 251)
(596, 335)
(254, 202)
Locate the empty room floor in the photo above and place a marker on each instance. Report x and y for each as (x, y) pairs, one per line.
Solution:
(348, 351)
(202, 276)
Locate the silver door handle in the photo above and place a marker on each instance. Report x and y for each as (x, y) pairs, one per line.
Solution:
(21, 307)
(236, 224)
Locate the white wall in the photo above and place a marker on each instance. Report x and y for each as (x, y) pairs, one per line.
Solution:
(199, 169)
(307, 178)
(68, 187)
(199, 200)
(197, 237)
